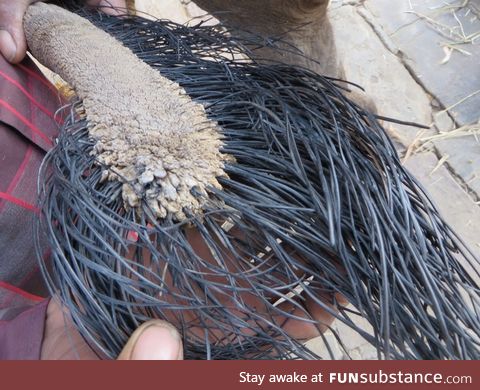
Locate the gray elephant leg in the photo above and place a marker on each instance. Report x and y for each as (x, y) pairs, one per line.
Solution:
(301, 25)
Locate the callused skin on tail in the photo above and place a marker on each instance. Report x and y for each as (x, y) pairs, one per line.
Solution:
(149, 134)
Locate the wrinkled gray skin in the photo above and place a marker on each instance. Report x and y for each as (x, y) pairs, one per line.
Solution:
(301, 24)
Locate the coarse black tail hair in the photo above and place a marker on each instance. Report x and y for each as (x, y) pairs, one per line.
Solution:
(316, 210)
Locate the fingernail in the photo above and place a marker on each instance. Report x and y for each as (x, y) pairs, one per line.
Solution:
(157, 342)
(7, 45)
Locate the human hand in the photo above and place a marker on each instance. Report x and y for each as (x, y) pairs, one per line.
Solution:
(13, 45)
(153, 340)
(159, 340)
(301, 317)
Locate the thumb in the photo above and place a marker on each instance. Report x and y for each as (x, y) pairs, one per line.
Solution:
(12, 39)
(153, 340)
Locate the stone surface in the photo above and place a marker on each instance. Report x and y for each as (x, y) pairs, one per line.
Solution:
(463, 153)
(422, 31)
(454, 203)
(318, 346)
(380, 73)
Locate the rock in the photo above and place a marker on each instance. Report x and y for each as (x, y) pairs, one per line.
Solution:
(382, 75)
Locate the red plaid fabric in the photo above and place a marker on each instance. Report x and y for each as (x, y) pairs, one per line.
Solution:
(28, 103)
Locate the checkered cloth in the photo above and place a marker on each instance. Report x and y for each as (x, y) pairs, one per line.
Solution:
(28, 103)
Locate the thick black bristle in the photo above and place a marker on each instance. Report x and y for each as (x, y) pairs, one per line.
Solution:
(319, 203)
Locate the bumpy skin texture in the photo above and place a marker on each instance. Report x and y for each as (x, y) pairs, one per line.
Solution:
(150, 135)
(12, 38)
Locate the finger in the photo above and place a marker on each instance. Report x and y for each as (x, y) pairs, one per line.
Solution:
(310, 314)
(61, 340)
(153, 340)
(13, 46)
